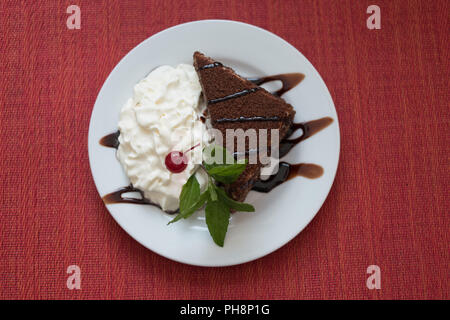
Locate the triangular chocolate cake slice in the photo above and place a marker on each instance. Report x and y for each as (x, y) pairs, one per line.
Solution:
(234, 102)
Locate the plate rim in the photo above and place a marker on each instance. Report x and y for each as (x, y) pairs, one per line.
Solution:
(282, 243)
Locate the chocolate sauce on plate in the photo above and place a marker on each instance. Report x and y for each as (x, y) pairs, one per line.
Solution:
(309, 129)
(286, 172)
(288, 80)
(116, 197)
(111, 140)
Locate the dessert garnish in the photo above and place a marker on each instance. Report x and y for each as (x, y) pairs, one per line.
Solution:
(218, 203)
(177, 161)
(169, 100)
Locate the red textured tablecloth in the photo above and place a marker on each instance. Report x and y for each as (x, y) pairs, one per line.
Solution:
(388, 206)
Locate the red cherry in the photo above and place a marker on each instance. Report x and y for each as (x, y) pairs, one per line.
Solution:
(176, 161)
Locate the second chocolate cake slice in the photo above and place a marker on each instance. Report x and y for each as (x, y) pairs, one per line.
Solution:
(233, 102)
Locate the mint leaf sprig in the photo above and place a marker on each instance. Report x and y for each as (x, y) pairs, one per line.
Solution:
(218, 204)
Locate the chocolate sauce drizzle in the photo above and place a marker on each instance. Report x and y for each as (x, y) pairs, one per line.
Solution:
(287, 171)
(309, 129)
(211, 65)
(288, 80)
(111, 140)
(234, 95)
(245, 119)
(116, 197)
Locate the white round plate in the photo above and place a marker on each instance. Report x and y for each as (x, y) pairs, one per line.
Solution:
(281, 214)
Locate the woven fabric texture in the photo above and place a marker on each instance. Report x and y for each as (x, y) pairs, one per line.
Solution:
(388, 205)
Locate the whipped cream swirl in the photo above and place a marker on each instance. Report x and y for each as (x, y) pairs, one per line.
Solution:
(162, 116)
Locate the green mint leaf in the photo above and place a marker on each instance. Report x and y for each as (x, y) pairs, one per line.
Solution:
(201, 201)
(217, 219)
(221, 165)
(189, 211)
(223, 168)
(189, 194)
(227, 173)
(236, 205)
(212, 190)
(216, 155)
(178, 217)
